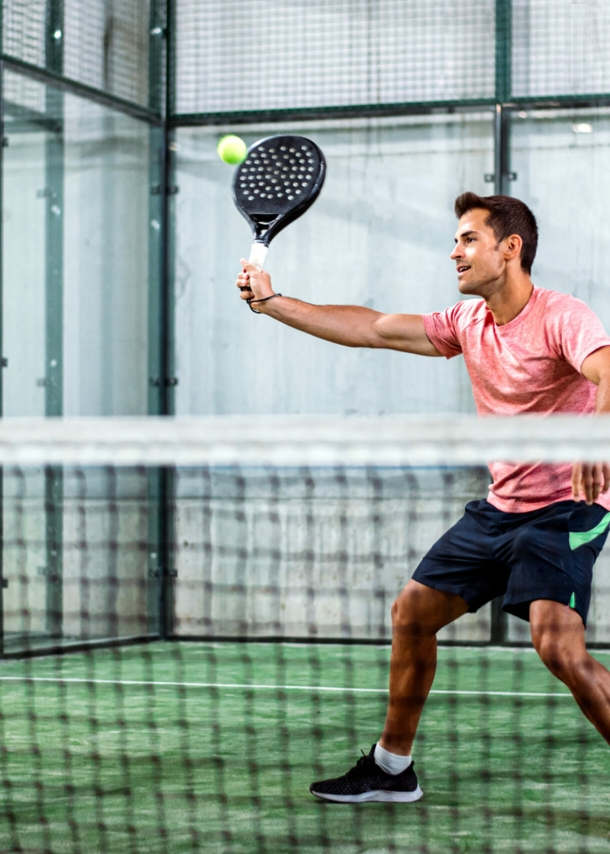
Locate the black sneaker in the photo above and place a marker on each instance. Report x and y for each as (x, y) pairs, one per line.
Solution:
(366, 781)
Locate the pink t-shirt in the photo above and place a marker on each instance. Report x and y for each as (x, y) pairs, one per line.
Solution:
(531, 364)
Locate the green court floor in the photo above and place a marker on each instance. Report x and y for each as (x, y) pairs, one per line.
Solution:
(184, 747)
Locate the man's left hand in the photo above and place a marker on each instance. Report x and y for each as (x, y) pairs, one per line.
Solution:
(590, 480)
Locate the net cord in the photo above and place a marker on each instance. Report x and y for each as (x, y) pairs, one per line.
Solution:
(454, 440)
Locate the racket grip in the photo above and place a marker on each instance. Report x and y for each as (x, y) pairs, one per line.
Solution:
(258, 253)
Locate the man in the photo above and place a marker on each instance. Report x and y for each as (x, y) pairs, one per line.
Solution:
(533, 540)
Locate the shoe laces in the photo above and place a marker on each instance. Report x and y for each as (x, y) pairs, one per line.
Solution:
(362, 766)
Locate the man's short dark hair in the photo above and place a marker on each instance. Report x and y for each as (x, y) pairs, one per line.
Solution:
(506, 216)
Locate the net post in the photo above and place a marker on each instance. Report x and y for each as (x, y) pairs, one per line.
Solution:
(167, 192)
(1, 327)
(161, 347)
(502, 173)
(166, 543)
(168, 474)
(53, 380)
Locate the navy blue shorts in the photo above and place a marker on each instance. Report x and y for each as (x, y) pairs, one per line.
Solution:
(541, 554)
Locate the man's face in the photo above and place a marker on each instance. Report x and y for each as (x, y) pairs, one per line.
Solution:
(479, 259)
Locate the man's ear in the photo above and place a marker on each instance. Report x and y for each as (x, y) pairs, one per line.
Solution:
(513, 246)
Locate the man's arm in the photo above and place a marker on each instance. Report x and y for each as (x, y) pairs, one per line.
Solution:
(596, 368)
(349, 325)
(591, 479)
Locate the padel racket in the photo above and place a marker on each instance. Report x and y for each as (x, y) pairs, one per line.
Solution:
(280, 178)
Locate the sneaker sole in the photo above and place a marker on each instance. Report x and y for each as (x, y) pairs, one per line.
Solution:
(377, 796)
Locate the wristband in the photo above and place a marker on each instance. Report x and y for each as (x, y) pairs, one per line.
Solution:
(264, 299)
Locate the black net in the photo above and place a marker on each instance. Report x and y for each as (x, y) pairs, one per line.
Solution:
(274, 583)
(316, 53)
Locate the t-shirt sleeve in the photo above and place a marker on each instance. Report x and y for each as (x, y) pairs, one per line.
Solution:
(577, 332)
(442, 328)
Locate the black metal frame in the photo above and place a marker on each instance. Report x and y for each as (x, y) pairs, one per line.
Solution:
(160, 115)
(2, 581)
(74, 87)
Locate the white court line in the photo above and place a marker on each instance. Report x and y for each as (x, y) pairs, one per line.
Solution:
(266, 687)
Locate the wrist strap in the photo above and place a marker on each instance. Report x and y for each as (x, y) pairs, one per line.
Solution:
(264, 299)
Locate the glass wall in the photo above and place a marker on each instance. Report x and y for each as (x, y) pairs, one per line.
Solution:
(76, 190)
(79, 264)
(83, 306)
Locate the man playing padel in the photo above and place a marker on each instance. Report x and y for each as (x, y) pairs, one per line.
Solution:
(536, 536)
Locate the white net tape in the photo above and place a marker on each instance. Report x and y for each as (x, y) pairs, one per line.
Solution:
(449, 440)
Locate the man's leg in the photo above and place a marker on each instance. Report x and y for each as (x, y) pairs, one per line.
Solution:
(418, 614)
(559, 638)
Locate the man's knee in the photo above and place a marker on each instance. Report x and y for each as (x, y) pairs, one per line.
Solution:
(558, 639)
(409, 611)
(421, 611)
(552, 652)
(570, 665)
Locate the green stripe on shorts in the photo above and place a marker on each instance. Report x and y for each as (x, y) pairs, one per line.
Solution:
(579, 538)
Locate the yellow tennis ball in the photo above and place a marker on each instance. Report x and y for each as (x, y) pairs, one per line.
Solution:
(231, 149)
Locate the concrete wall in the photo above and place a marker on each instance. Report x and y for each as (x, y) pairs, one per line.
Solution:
(309, 554)
(380, 235)
(562, 161)
(318, 553)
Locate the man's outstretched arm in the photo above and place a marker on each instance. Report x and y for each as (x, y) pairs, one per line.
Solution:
(349, 325)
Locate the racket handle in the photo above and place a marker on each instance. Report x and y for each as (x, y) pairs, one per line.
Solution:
(258, 253)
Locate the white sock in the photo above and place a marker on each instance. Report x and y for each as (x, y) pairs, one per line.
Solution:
(391, 763)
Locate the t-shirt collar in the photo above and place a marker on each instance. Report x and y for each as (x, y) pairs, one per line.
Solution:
(522, 314)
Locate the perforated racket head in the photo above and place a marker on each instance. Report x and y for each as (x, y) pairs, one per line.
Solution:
(280, 178)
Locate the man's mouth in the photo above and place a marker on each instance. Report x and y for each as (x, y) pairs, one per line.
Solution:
(462, 268)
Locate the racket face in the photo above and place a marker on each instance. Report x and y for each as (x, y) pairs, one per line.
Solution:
(277, 182)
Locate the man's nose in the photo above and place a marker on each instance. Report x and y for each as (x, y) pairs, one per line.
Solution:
(456, 252)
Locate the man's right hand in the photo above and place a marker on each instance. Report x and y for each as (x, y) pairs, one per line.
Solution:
(253, 283)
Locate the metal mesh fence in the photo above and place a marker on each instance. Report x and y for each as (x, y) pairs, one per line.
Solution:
(244, 55)
(106, 46)
(560, 47)
(105, 43)
(248, 55)
(23, 33)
